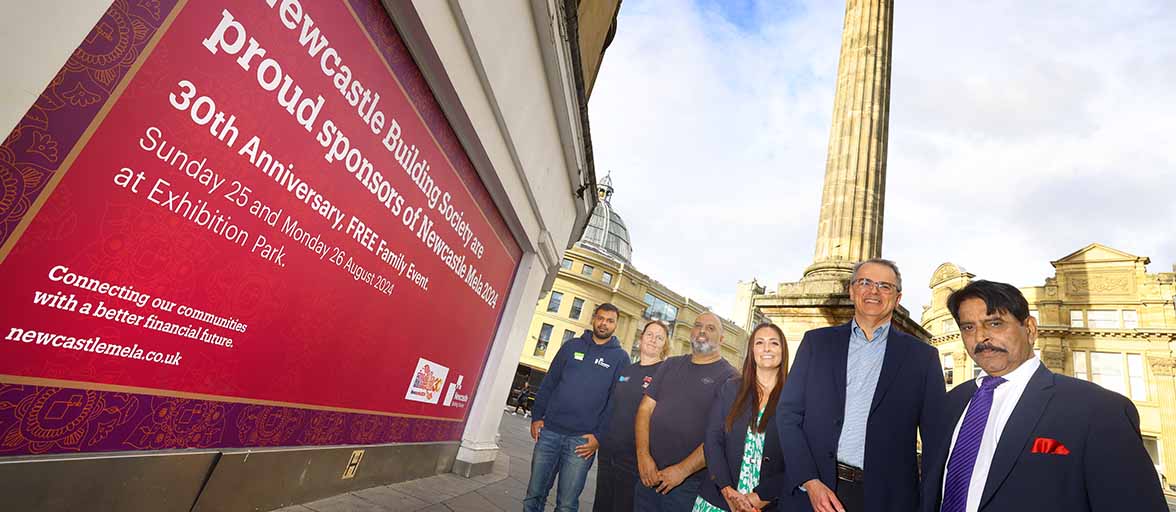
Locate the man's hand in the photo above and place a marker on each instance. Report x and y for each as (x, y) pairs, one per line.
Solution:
(586, 450)
(757, 504)
(735, 501)
(647, 468)
(536, 426)
(822, 498)
(670, 478)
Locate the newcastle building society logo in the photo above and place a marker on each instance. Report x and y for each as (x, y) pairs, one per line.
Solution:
(427, 382)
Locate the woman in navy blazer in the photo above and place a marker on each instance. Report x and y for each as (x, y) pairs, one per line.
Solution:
(747, 406)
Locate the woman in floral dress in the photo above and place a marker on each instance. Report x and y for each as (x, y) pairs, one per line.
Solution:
(742, 448)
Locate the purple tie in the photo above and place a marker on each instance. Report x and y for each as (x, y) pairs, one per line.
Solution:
(967, 445)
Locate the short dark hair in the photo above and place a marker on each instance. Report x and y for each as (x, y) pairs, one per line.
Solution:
(879, 261)
(999, 297)
(606, 307)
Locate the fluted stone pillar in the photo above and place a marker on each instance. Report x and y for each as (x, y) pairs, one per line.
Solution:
(850, 224)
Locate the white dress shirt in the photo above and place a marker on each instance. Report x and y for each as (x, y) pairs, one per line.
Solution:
(1004, 400)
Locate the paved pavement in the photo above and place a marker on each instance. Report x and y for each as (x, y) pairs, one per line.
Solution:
(502, 489)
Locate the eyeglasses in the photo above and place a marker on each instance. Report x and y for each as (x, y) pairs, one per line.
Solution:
(882, 286)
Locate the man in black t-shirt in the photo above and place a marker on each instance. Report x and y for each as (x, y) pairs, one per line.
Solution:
(671, 421)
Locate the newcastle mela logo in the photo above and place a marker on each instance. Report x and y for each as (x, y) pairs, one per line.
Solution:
(427, 382)
(453, 398)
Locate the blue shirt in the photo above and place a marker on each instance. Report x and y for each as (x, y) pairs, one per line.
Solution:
(862, 368)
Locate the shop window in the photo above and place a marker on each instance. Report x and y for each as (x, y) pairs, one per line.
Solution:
(544, 339)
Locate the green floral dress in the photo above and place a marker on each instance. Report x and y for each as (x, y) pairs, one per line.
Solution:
(749, 469)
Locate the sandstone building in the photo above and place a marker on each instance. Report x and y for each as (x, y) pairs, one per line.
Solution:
(1102, 317)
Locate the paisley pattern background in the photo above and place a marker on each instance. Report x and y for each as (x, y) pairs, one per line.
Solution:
(44, 420)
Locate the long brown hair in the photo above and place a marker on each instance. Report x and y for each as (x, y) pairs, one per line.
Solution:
(748, 397)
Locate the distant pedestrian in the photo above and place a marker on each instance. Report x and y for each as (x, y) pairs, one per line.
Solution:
(570, 413)
(743, 457)
(521, 399)
(617, 473)
(671, 421)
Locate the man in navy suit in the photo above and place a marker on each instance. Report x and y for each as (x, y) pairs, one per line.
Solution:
(853, 401)
(1023, 438)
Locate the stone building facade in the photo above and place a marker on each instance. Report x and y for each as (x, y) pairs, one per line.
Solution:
(1102, 317)
(597, 270)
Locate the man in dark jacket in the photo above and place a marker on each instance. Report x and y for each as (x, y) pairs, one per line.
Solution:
(1024, 438)
(570, 412)
(854, 399)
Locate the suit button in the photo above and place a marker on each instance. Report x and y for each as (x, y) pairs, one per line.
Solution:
(832, 455)
(838, 422)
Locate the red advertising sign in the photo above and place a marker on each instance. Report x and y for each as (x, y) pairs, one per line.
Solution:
(261, 212)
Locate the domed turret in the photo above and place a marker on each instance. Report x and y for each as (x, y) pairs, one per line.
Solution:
(606, 232)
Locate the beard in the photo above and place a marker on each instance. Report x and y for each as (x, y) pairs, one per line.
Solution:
(602, 333)
(703, 346)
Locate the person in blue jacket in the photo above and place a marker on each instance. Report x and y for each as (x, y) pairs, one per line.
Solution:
(571, 412)
(742, 447)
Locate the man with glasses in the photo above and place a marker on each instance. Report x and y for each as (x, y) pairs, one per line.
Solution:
(854, 399)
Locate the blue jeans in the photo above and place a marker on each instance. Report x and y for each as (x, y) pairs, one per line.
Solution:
(555, 454)
(679, 499)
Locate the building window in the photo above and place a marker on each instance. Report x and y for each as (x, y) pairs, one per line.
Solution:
(587, 270)
(1106, 370)
(568, 334)
(577, 307)
(544, 339)
(1033, 313)
(1102, 319)
(948, 325)
(1080, 371)
(606, 277)
(948, 368)
(1130, 319)
(1153, 449)
(1136, 379)
(553, 302)
(566, 264)
(1076, 318)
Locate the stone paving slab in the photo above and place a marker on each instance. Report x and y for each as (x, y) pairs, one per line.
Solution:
(501, 490)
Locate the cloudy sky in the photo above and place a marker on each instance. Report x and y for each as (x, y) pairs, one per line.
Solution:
(1019, 133)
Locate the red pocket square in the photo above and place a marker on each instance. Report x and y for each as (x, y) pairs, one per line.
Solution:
(1050, 446)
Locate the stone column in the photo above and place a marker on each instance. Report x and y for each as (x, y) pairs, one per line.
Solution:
(1164, 371)
(850, 223)
(479, 442)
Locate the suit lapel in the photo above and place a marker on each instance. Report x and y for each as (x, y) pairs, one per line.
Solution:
(957, 401)
(892, 362)
(1016, 432)
(840, 364)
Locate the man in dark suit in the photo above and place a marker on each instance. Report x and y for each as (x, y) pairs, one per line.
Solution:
(1023, 438)
(854, 399)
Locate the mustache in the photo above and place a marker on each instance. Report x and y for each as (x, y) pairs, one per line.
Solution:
(984, 347)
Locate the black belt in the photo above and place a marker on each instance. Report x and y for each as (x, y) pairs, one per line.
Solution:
(850, 473)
